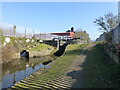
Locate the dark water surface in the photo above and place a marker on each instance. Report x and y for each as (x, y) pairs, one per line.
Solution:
(14, 71)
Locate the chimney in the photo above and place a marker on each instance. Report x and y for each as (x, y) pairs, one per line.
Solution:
(72, 29)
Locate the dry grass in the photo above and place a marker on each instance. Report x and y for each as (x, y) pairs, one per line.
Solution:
(7, 53)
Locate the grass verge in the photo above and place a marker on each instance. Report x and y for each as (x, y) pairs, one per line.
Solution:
(41, 47)
(59, 66)
(99, 70)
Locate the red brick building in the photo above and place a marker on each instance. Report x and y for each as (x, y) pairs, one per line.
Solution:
(69, 33)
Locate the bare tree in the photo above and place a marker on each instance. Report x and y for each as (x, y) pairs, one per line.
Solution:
(107, 22)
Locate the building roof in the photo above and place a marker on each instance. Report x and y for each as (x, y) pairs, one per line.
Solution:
(71, 34)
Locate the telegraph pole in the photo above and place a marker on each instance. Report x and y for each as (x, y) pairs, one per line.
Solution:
(40, 35)
(14, 30)
(25, 32)
(33, 32)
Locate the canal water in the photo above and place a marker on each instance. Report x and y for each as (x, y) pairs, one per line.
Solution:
(16, 70)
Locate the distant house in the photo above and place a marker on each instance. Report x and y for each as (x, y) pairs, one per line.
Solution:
(66, 35)
(51, 36)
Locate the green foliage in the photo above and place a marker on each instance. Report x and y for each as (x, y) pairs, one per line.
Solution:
(41, 47)
(3, 39)
(1, 32)
(100, 71)
(20, 43)
(82, 34)
(13, 39)
(33, 37)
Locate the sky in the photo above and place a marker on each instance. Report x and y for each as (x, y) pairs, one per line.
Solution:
(50, 17)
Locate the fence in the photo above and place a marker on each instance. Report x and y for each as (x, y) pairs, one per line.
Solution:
(9, 31)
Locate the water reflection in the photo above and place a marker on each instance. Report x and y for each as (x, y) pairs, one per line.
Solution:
(8, 80)
(17, 70)
(0, 85)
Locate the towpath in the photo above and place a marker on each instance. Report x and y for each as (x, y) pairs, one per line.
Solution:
(71, 79)
(73, 74)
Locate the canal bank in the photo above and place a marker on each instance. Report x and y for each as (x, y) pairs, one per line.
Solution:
(77, 68)
(58, 68)
(15, 69)
(13, 46)
(35, 51)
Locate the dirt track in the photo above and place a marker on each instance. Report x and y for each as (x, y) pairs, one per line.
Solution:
(73, 74)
